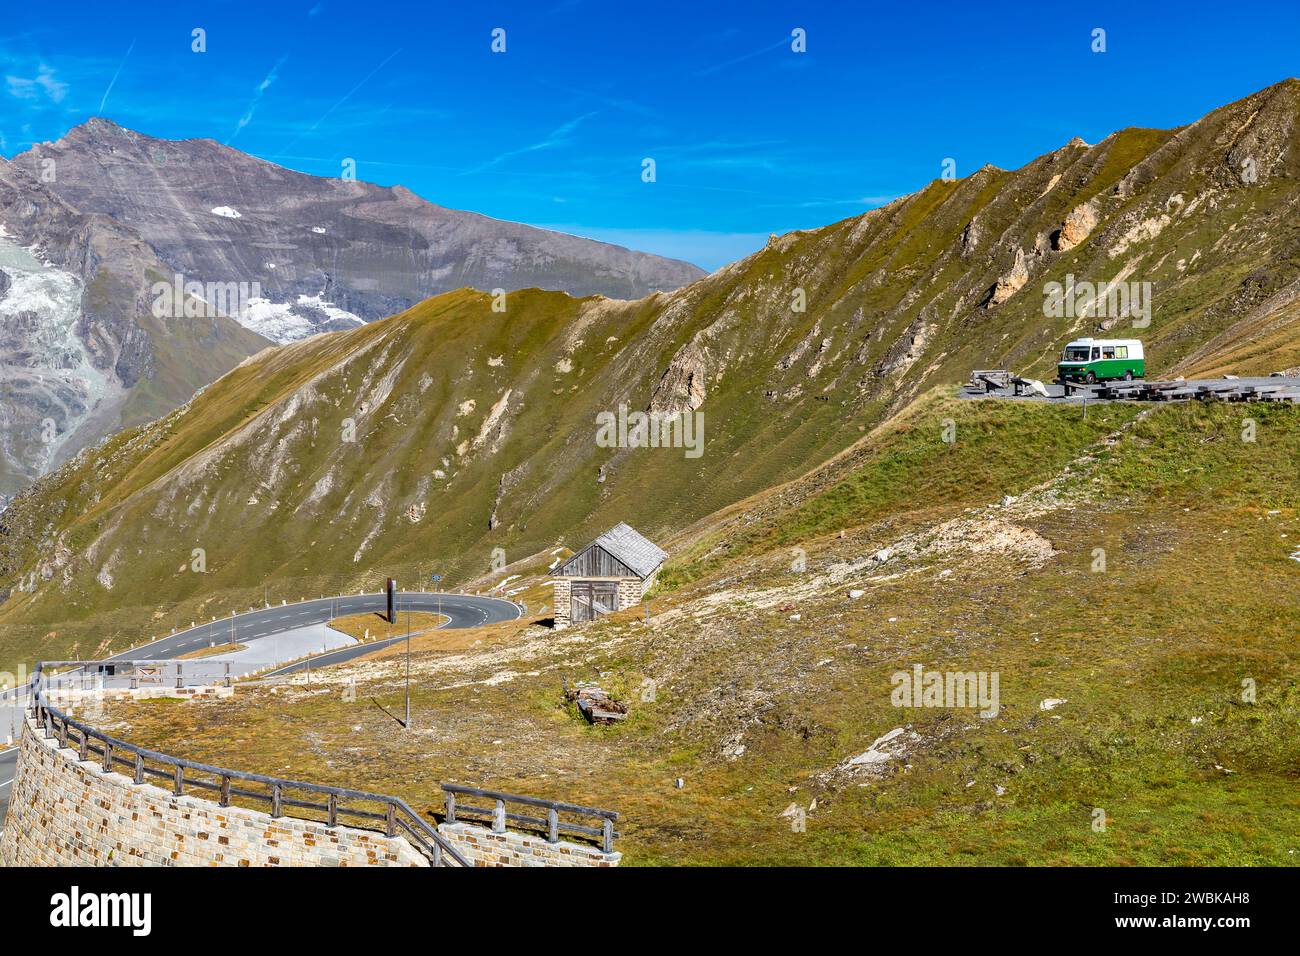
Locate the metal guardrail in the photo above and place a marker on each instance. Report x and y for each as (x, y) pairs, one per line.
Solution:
(283, 795)
(551, 824)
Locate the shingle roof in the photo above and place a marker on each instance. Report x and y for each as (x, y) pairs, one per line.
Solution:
(633, 549)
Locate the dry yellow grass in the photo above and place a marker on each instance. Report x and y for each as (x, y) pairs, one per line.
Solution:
(764, 680)
(212, 651)
(373, 626)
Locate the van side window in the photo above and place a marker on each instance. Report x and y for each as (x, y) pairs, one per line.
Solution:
(1096, 353)
(1121, 351)
(1108, 353)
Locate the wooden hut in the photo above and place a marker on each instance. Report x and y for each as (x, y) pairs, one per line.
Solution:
(610, 574)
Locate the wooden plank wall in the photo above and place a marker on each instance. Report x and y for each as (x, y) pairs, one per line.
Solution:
(596, 562)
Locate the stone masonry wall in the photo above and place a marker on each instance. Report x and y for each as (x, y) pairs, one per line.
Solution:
(629, 593)
(484, 847)
(563, 595)
(63, 812)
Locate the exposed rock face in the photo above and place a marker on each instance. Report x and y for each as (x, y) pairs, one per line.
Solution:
(681, 389)
(77, 335)
(1081, 221)
(327, 254)
(104, 214)
(903, 354)
(1012, 282)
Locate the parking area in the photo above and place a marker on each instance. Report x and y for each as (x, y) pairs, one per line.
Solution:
(1273, 388)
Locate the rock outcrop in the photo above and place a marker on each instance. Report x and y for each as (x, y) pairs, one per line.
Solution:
(1011, 283)
(681, 389)
(1078, 224)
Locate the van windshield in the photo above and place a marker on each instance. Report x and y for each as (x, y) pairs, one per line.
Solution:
(1077, 353)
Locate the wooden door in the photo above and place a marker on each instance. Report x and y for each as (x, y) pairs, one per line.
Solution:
(590, 599)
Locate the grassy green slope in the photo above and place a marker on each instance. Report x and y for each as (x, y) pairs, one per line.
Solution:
(754, 709)
(473, 429)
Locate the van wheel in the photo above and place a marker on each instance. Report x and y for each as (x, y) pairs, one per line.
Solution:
(1128, 376)
(1091, 378)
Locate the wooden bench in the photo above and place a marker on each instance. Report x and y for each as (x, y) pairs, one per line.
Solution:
(990, 379)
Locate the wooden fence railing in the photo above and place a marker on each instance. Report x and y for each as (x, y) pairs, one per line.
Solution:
(498, 815)
(283, 796)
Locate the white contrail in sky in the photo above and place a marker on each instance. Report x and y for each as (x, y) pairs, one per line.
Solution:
(103, 102)
(311, 129)
(554, 138)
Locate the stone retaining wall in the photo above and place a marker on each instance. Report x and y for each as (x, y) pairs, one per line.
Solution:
(65, 697)
(484, 847)
(63, 812)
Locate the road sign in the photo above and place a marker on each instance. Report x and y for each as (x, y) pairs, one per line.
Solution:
(435, 577)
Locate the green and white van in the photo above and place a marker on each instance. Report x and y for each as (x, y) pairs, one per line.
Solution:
(1092, 360)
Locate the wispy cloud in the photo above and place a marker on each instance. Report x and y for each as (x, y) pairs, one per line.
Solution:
(257, 97)
(44, 85)
(103, 100)
(346, 96)
(554, 138)
(618, 103)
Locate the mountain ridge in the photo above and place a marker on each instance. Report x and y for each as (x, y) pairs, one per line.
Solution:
(473, 429)
(371, 250)
(112, 216)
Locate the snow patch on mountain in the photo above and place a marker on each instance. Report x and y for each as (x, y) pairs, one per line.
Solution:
(285, 322)
(330, 309)
(275, 320)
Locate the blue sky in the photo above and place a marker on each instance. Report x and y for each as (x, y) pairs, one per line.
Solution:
(748, 136)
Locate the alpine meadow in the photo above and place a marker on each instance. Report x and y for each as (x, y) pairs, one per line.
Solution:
(957, 526)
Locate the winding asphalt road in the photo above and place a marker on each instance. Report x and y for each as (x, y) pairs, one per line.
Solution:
(261, 628)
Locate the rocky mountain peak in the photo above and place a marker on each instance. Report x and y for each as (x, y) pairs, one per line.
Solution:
(216, 215)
